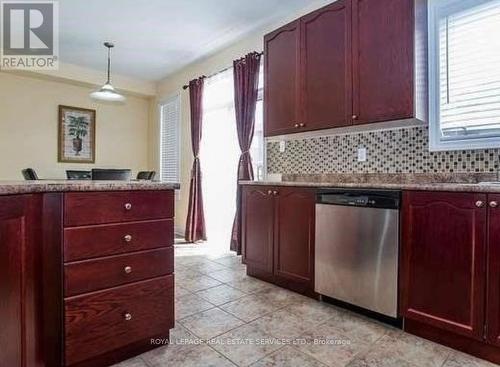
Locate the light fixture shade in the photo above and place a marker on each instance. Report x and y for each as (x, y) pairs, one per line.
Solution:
(107, 93)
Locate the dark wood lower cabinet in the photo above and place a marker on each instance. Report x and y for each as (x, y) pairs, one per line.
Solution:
(258, 229)
(493, 300)
(294, 245)
(111, 306)
(21, 342)
(443, 253)
(278, 235)
(101, 322)
(450, 270)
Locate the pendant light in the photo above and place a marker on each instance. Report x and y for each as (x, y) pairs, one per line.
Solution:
(107, 93)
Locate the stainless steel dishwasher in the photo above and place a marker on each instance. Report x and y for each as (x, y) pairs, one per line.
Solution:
(357, 248)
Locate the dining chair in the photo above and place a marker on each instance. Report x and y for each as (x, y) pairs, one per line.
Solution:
(146, 175)
(111, 174)
(78, 175)
(29, 174)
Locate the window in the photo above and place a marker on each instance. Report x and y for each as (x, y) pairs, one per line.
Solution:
(170, 139)
(219, 155)
(257, 148)
(464, 64)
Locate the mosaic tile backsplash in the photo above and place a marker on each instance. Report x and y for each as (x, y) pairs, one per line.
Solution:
(403, 150)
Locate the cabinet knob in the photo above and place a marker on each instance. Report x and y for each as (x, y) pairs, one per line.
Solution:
(479, 203)
(302, 125)
(127, 269)
(127, 316)
(275, 193)
(493, 204)
(296, 125)
(354, 117)
(128, 206)
(269, 192)
(127, 238)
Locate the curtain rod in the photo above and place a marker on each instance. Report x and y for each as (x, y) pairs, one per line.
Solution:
(216, 73)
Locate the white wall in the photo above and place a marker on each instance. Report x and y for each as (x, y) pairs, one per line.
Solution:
(29, 126)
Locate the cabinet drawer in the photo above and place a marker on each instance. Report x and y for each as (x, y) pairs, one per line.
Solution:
(112, 207)
(91, 275)
(112, 239)
(98, 323)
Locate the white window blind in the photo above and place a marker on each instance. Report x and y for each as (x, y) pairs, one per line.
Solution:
(465, 74)
(170, 139)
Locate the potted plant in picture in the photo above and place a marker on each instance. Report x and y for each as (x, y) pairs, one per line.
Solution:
(78, 129)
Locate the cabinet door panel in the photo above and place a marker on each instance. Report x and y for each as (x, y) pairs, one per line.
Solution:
(281, 54)
(382, 59)
(443, 248)
(20, 330)
(493, 310)
(258, 228)
(294, 246)
(326, 66)
(12, 239)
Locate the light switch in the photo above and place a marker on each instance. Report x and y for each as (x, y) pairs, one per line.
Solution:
(361, 154)
(282, 146)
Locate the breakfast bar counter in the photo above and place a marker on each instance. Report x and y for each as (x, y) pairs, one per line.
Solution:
(40, 186)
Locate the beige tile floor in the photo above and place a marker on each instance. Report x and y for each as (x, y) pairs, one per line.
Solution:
(224, 318)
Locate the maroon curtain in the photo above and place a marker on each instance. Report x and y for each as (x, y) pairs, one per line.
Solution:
(246, 86)
(195, 223)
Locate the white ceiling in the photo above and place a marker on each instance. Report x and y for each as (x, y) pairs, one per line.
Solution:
(155, 38)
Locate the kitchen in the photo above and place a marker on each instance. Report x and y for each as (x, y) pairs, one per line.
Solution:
(363, 229)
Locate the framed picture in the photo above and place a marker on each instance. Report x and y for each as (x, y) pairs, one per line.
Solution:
(76, 135)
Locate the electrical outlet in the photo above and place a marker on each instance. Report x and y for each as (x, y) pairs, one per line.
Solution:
(361, 154)
(282, 146)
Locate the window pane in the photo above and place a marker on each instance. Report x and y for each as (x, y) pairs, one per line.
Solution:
(469, 72)
(257, 148)
(169, 146)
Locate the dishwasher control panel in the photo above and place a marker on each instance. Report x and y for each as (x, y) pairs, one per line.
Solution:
(371, 199)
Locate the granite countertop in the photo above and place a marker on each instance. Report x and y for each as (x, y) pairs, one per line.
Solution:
(27, 187)
(425, 182)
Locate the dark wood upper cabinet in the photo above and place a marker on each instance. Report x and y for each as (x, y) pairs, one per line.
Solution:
(493, 304)
(20, 300)
(351, 62)
(294, 245)
(282, 106)
(326, 67)
(258, 228)
(383, 33)
(443, 261)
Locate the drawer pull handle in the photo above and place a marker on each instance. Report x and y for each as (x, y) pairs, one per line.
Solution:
(269, 192)
(128, 206)
(128, 316)
(479, 204)
(127, 238)
(493, 204)
(127, 269)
